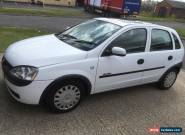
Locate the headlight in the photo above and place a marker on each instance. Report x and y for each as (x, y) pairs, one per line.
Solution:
(27, 73)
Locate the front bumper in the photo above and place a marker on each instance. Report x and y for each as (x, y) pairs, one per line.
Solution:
(29, 94)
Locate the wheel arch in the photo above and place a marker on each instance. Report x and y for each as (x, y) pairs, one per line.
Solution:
(86, 82)
(176, 67)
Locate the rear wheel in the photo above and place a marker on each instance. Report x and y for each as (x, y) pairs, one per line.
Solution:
(65, 97)
(168, 80)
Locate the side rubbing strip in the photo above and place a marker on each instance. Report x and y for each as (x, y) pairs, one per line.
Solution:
(131, 72)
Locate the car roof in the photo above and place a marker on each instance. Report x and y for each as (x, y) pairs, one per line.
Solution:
(122, 22)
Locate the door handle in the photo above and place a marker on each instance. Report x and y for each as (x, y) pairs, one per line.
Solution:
(170, 58)
(140, 61)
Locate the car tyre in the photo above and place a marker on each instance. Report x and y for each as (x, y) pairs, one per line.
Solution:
(168, 79)
(65, 96)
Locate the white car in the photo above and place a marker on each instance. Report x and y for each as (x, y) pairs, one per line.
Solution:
(95, 56)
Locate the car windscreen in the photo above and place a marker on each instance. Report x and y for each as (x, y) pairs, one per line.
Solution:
(88, 35)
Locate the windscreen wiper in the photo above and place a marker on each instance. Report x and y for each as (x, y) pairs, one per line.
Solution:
(67, 35)
(86, 42)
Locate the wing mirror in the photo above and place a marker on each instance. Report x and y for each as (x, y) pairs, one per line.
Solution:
(118, 51)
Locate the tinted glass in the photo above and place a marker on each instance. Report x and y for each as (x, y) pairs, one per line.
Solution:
(177, 43)
(161, 40)
(132, 41)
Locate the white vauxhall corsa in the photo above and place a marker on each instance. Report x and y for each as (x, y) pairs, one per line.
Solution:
(95, 56)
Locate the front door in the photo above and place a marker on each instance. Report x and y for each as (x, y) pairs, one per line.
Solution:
(121, 71)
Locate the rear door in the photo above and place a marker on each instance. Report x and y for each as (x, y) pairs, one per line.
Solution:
(160, 55)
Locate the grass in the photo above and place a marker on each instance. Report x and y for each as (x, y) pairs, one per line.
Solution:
(9, 35)
(64, 12)
(149, 16)
(181, 32)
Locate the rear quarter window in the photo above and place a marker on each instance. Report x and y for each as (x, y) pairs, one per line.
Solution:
(176, 40)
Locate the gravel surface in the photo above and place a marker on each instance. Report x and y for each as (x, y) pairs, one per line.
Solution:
(55, 24)
(130, 111)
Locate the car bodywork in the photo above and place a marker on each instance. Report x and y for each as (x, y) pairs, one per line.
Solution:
(57, 60)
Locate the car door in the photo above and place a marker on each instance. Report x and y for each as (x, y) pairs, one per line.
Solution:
(121, 71)
(160, 55)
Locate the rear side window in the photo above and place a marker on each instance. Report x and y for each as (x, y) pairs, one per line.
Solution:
(133, 41)
(177, 43)
(161, 40)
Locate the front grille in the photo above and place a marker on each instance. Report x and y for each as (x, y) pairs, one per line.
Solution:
(7, 67)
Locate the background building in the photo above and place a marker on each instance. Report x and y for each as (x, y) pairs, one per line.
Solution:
(169, 8)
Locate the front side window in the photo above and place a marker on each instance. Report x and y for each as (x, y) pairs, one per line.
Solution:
(88, 35)
(161, 40)
(177, 43)
(133, 41)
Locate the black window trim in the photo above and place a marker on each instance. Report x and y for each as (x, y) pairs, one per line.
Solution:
(161, 30)
(124, 31)
(179, 40)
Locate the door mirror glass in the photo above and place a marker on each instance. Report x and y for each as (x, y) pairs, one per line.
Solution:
(118, 51)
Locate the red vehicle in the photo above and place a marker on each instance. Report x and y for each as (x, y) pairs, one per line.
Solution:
(107, 7)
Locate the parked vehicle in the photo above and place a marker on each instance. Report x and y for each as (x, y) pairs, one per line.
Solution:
(119, 7)
(95, 56)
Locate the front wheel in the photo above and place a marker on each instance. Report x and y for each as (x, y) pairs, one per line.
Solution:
(65, 97)
(168, 80)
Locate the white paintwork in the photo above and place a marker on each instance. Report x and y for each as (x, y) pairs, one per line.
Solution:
(119, 51)
(117, 64)
(55, 59)
(42, 51)
(29, 94)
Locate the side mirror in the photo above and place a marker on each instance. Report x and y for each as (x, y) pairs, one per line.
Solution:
(118, 51)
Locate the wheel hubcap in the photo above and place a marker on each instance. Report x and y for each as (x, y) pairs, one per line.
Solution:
(67, 97)
(170, 79)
